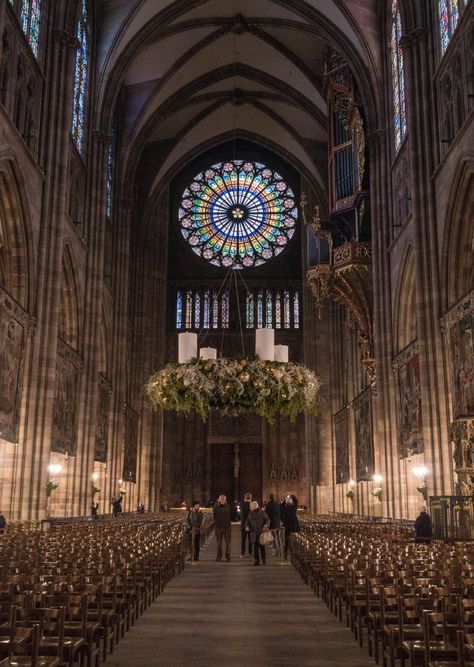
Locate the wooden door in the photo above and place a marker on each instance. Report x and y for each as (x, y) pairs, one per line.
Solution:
(250, 473)
(222, 471)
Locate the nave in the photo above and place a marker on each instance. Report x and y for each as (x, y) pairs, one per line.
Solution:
(234, 613)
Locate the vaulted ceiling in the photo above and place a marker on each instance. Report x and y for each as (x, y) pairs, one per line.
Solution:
(193, 73)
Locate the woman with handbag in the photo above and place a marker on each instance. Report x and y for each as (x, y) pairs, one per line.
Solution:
(257, 525)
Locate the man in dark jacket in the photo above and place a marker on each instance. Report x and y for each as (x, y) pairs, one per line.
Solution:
(193, 526)
(244, 534)
(423, 528)
(273, 511)
(289, 519)
(222, 526)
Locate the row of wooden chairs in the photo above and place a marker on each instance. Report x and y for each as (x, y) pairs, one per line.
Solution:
(68, 595)
(413, 604)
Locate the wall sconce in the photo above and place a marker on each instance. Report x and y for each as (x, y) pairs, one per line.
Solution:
(377, 491)
(420, 473)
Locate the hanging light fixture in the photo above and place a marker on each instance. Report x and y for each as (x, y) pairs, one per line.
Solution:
(267, 385)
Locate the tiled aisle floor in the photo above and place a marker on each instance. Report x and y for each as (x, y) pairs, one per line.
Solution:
(231, 614)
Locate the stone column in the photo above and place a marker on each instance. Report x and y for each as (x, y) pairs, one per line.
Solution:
(384, 411)
(29, 493)
(433, 374)
(118, 375)
(88, 392)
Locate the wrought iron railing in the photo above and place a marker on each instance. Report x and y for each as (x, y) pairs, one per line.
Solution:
(452, 517)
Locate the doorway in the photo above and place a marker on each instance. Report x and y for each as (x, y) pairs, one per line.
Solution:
(249, 470)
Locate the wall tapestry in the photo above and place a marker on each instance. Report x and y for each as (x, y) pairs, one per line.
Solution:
(13, 323)
(129, 473)
(102, 427)
(341, 433)
(362, 406)
(460, 331)
(410, 425)
(68, 365)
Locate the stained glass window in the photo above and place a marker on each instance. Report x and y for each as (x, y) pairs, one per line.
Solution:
(179, 310)
(250, 311)
(80, 80)
(225, 310)
(269, 310)
(296, 310)
(286, 309)
(206, 310)
(398, 78)
(189, 309)
(30, 22)
(278, 310)
(448, 12)
(110, 173)
(238, 214)
(215, 309)
(260, 309)
(197, 310)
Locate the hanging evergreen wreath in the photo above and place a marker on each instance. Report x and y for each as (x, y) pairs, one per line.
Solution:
(235, 386)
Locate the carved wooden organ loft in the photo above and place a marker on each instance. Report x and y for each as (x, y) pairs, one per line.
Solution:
(340, 251)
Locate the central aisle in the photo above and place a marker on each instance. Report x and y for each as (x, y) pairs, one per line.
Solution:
(229, 614)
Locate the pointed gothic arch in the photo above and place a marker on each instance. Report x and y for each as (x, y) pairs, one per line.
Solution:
(457, 262)
(16, 254)
(405, 324)
(70, 310)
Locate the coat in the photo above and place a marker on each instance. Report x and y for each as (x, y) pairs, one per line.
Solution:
(244, 512)
(423, 528)
(273, 511)
(194, 519)
(256, 522)
(222, 516)
(289, 517)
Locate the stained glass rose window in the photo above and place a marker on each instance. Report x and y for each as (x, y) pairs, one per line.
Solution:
(238, 214)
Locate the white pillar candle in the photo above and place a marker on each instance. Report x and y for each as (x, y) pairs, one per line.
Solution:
(265, 344)
(187, 347)
(281, 353)
(208, 353)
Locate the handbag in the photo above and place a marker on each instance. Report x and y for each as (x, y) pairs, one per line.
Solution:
(266, 537)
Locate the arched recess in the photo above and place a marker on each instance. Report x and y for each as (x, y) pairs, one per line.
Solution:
(457, 263)
(69, 315)
(103, 365)
(162, 179)
(16, 255)
(405, 303)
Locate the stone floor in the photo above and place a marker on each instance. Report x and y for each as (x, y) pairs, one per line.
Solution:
(232, 614)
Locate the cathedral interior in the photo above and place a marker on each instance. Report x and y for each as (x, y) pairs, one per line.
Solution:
(116, 118)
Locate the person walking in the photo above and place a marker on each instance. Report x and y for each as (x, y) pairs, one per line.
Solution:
(273, 512)
(289, 519)
(222, 526)
(95, 511)
(194, 520)
(257, 522)
(244, 533)
(423, 527)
